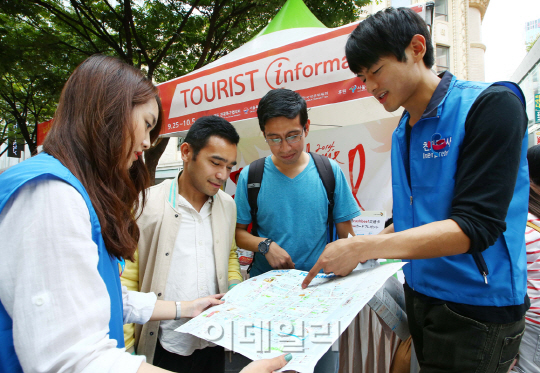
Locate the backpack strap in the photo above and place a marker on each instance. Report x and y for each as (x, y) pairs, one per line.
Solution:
(255, 175)
(533, 226)
(329, 181)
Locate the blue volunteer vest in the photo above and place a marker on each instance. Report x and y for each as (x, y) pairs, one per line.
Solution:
(44, 166)
(435, 144)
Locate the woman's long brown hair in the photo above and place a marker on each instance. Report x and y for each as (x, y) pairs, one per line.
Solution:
(92, 135)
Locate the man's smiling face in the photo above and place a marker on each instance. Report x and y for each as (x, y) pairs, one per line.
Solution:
(390, 81)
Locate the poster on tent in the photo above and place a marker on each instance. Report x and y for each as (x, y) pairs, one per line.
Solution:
(362, 152)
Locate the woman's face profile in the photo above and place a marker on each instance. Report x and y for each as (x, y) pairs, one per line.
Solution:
(144, 120)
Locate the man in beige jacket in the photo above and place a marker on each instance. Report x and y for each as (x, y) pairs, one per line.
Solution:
(187, 248)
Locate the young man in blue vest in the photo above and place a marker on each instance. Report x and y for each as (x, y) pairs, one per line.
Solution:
(292, 202)
(460, 190)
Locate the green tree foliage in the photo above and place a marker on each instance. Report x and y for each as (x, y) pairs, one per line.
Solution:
(43, 40)
(33, 68)
(529, 45)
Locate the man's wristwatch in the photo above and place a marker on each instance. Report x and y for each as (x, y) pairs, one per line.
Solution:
(264, 246)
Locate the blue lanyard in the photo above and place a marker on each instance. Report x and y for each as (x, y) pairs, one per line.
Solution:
(122, 263)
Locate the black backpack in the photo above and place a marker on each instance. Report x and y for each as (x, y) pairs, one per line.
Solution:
(255, 175)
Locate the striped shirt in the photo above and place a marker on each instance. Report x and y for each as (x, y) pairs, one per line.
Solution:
(532, 241)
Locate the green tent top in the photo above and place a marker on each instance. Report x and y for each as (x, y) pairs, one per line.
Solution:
(293, 14)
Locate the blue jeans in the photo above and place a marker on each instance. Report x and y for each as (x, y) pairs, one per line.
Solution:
(445, 341)
(529, 350)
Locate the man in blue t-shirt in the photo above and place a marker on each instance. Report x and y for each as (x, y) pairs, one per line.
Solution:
(292, 202)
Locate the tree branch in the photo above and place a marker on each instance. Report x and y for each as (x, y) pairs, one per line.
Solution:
(69, 21)
(128, 16)
(175, 35)
(209, 36)
(102, 33)
(37, 26)
(118, 17)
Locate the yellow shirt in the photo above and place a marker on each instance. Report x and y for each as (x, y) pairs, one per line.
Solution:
(130, 279)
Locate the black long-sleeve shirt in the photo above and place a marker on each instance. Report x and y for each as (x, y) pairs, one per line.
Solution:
(485, 179)
(488, 165)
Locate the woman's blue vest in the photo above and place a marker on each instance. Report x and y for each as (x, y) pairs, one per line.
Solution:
(435, 144)
(44, 166)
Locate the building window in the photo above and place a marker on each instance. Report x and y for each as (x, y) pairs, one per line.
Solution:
(442, 59)
(441, 10)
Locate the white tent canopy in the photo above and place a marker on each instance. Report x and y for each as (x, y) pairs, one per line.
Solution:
(294, 51)
(298, 52)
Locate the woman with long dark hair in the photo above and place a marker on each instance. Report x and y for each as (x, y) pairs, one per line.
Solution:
(529, 350)
(67, 221)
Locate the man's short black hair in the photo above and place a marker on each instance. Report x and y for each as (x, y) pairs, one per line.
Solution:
(282, 103)
(533, 157)
(387, 32)
(205, 127)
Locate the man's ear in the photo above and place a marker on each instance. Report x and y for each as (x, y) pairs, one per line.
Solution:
(186, 152)
(306, 127)
(417, 47)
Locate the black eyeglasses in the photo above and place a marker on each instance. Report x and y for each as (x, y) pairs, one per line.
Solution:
(290, 140)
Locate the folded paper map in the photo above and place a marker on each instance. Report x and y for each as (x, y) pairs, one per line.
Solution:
(270, 314)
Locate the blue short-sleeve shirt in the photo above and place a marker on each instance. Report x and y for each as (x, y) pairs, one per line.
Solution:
(293, 212)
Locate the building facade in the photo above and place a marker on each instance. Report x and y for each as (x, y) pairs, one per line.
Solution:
(532, 30)
(6, 161)
(527, 75)
(171, 160)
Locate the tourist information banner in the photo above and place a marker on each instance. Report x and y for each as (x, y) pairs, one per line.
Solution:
(295, 51)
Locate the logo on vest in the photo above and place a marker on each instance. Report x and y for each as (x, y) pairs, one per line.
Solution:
(437, 147)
